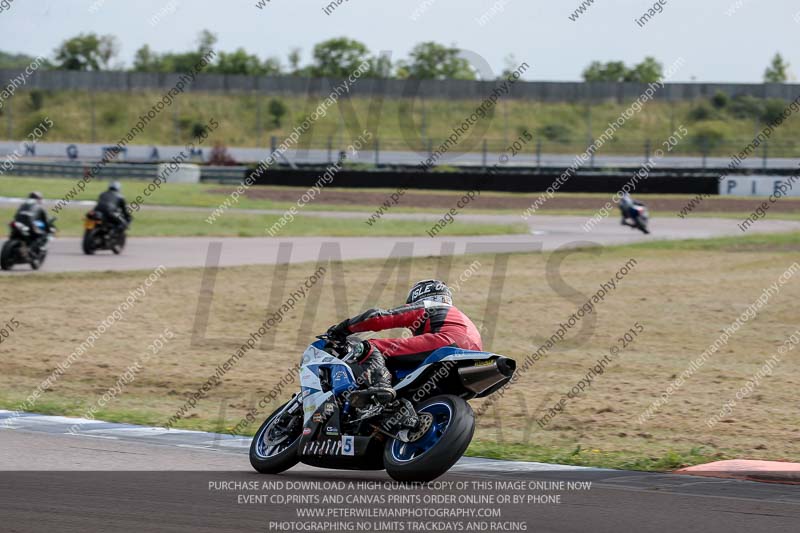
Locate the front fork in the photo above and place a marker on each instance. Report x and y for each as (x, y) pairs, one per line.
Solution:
(293, 404)
(289, 408)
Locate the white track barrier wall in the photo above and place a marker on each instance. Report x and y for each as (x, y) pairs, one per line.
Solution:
(186, 173)
(755, 185)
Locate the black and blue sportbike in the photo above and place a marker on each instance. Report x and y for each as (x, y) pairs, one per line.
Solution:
(25, 245)
(324, 426)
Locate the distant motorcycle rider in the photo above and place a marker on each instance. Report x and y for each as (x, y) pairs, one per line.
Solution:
(627, 207)
(434, 322)
(33, 214)
(112, 205)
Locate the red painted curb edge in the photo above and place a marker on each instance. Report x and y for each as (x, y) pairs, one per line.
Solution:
(750, 470)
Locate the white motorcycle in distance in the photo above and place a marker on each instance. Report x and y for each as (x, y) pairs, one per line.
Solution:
(634, 214)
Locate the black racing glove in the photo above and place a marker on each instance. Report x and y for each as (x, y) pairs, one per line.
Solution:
(339, 332)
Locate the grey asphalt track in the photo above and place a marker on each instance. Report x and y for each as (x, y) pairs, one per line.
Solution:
(119, 477)
(545, 233)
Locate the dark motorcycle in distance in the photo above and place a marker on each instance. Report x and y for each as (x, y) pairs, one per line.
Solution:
(100, 234)
(25, 246)
(329, 424)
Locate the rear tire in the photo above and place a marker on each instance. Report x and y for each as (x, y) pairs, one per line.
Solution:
(8, 254)
(443, 454)
(88, 241)
(283, 460)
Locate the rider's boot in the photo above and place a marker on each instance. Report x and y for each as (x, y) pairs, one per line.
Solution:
(399, 414)
(377, 380)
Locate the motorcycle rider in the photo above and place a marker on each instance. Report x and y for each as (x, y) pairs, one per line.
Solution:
(112, 205)
(627, 207)
(34, 216)
(434, 323)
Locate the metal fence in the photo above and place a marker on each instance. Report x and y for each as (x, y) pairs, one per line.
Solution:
(537, 153)
(142, 171)
(542, 91)
(695, 152)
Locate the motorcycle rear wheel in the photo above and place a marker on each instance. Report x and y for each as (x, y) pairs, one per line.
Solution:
(88, 242)
(439, 448)
(119, 244)
(8, 254)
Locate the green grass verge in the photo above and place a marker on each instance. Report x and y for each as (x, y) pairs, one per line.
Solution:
(179, 194)
(186, 223)
(64, 406)
(201, 195)
(576, 455)
(655, 215)
(596, 458)
(779, 242)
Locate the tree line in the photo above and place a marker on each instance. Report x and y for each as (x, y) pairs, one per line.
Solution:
(333, 58)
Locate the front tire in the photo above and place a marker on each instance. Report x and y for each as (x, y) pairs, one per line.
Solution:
(274, 461)
(439, 448)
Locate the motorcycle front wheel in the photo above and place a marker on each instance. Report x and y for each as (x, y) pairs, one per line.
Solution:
(438, 449)
(275, 445)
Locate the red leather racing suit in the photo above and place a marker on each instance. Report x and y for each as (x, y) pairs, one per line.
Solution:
(433, 325)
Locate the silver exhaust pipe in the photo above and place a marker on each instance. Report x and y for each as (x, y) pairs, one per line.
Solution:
(484, 375)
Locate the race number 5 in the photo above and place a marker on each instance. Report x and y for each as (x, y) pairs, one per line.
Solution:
(348, 445)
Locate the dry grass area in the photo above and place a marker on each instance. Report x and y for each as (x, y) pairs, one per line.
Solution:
(682, 298)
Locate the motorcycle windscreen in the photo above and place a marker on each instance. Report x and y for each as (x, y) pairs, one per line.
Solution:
(315, 393)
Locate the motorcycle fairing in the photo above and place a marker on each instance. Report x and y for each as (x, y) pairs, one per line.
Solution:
(447, 353)
(322, 434)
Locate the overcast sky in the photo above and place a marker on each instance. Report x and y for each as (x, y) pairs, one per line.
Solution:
(716, 45)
